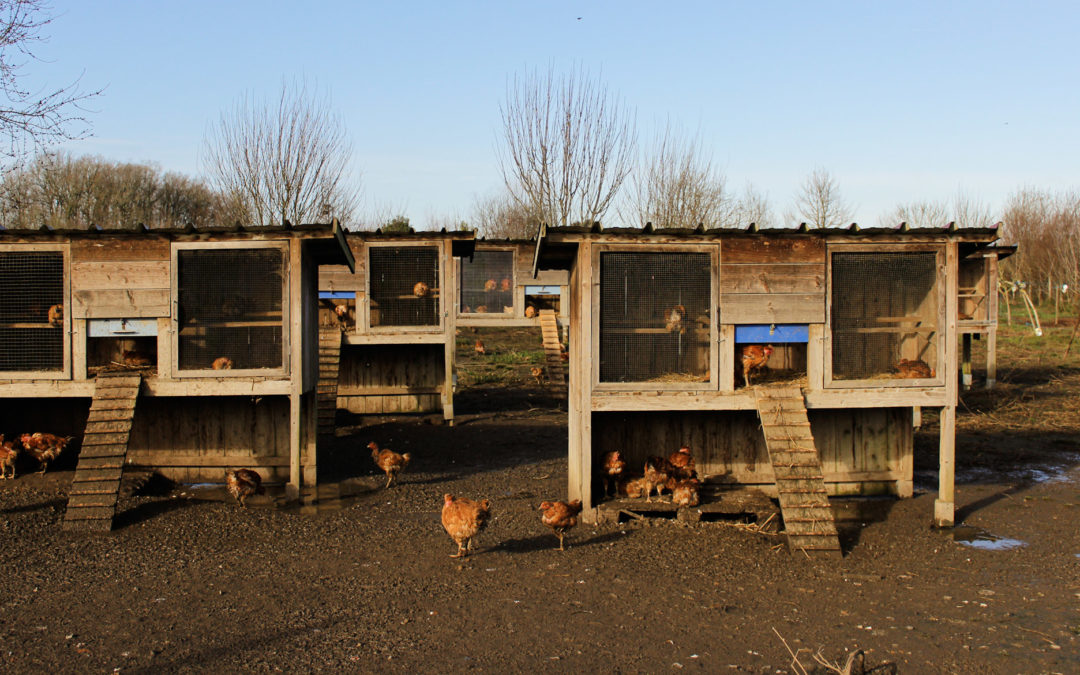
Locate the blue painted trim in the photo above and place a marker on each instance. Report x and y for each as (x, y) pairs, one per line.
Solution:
(776, 333)
(341, 295)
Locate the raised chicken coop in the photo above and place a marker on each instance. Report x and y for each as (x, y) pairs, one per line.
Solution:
(388, 326)
(497, 288)
(186, 351)
(794, 362)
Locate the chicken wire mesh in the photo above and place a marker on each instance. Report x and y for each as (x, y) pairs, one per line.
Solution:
(487, 283)
(404, 285)
(884, 315)
(230, 308)
(31, 336)
(654, 317)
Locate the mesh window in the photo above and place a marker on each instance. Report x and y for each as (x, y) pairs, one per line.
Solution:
(654, 317)
(230, 308)
(30, 284)
(404, 285)
(884, 315)
(487, 283)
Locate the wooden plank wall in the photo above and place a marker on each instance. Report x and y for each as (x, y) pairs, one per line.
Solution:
(766, 280)
(382, 379)
(121, 278)
(856, 444)
(196, 438)
(973, 278)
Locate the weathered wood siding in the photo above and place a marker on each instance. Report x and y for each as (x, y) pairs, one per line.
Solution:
(197, 438)
(380, 379)
(124, 278)
(772, 281)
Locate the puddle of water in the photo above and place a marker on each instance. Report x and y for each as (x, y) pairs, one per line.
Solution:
(979, 538)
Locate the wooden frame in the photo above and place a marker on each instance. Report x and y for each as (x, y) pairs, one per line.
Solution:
(282, 245)
(363, 318)
(940, 283)
(63, 373)
(713, 250)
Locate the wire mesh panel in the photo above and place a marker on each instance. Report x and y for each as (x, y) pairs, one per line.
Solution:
(884, 315)
(654, 317)
(487, 283)
(404, 285)
(230, 308)
(31, 311)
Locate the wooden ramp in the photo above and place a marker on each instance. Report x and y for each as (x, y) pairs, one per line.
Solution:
(549, 327)
(329, 360)
(809, 522)
(92, 502)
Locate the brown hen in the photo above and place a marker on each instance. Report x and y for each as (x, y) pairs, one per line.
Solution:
(44, 447)
(8, 455)
(463, 519)
(685, 492)
(242, 483)
(682, 464)
(912, 369)
(754, 357)
(658, 472)
(389, 461)
(613, 467)
(560, 517)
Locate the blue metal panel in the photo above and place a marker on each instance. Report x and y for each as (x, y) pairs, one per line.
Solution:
(774, 333)
(341, 295)
(542, 290)
(122, 327)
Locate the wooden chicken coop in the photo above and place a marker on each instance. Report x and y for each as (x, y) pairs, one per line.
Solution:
(863, 327)
(496, 286)
(388, 326)
(189, 351)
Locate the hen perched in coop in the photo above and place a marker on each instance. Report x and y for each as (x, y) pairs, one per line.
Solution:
(685, 492)
(44, 448)
(658, 471)
(505, 284)
(56, 316)
(242, 483)
(560, 517)
(675, 319)
(613, 468)
(754, 357)
(682, 464)
(463, 519)
(421, 289)
(912, 369)
(390, 462)
(222, 363)
(8, 455)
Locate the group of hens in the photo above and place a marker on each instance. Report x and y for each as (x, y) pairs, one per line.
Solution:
(676, 473)
(463, 518)
(41, 447)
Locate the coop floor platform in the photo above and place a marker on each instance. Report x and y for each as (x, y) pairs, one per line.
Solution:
(717, 504)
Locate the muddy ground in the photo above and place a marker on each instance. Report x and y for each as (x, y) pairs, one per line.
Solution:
(190, 582)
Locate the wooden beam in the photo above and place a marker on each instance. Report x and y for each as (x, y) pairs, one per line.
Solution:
(965, 361)
(296, 403)
(945, 504)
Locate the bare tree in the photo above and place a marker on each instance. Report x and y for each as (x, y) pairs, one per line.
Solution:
(33, 120)
(286, 159)
(752, 209)
(1046, 226)
(500, 217)
(63, 191)
(676, 185)
(962, 210)
(818, 202)
(567, 146)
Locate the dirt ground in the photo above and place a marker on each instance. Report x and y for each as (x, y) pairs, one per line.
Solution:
(190, 582)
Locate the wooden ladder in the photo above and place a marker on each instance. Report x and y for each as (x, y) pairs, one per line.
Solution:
(549, 328)
(329, 361)
(809, 521)
(96, 486)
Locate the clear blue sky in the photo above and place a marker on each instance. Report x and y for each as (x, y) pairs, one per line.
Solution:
(899, 101)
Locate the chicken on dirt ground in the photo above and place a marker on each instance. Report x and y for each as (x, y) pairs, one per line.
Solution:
(43, 447)
(560, 517)
(8, 455)
(613, 467)
(390, 462)
(242, 483)
(463, 519)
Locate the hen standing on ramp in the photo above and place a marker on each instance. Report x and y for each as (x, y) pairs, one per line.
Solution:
(463, 519)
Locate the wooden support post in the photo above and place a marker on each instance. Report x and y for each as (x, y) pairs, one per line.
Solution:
(449, 282)
(991, 357)
(965, 361)
(992, 317)
(296, 368)
(945, 504)
(579, 397)
(815, 357)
